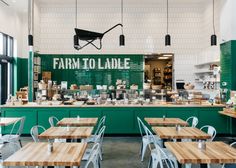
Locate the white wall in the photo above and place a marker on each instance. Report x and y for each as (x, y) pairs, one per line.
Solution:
(14, 24)
(145, 29)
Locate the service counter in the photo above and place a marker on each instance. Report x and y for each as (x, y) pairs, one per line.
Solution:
(121, 119)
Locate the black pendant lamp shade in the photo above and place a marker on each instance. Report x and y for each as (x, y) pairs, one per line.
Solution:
(213, 40)
(167, 40)
(122, 40)
(214, 37)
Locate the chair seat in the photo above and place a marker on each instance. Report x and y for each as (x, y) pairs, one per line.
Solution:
(148, 139)
(9, 138)
(60, 140)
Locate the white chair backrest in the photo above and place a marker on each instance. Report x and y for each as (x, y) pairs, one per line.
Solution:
(209, 130)
(21, 123)
(99, 137)
(161, 155)
(53, 121)
(94, 156)
(141, 126)
(100, 124)
(35, 132)
(193, 121)
(233, 144)
(7, 149)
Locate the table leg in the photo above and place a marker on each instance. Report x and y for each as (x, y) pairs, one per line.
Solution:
(203, 166)
(188, 165)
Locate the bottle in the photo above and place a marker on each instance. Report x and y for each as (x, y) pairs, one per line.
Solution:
(164, 117)
(50, 147)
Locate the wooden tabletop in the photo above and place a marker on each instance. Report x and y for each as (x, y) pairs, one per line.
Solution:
(78, 122)
(215, 152)
(36, 154)
(183, 133)
(166, 122)
(5, 121)
(66, 133)
(228, 113)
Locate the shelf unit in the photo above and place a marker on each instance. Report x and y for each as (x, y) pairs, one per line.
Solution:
(205, 77)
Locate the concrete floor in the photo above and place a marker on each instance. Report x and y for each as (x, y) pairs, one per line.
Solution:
(123, 152)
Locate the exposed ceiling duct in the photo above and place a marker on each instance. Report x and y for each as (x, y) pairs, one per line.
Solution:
(4, 2)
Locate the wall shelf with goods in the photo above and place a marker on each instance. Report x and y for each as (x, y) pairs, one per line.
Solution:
(168, 76)
(207, 75)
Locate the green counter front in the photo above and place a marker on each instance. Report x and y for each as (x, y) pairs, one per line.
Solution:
(119, 120)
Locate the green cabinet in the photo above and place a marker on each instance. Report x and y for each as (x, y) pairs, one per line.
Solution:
(119, 120)
(30, 118)
(45, 113)
(210, 116)
(86, 112)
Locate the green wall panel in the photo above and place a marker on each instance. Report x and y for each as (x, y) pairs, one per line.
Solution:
(147, 112)
(22, 72)
(96, 76)
(119, 120)
(228, 64)
(182, 113)
(208, 116)
(45, 113)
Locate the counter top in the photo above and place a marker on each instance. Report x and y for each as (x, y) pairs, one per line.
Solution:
(120, 106)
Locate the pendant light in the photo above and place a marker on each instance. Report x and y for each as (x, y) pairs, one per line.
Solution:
(167, 37)
(122, 37)
(76, 37)
(214, 37)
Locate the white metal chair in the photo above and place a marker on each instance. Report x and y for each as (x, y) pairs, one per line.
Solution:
(93, 137)
(7, 149)
(230, 165)
(193, 121)
(160, 155)
(93, 157)
(53, 122)
(145, 139)
(15, 137)
(209, 130)
(99, 140)
(35, 132)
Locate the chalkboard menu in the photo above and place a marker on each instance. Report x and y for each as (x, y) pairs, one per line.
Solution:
(94, 69)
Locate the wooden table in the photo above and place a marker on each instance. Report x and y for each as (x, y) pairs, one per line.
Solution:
(188, 153)
(36, 154)
(5, 121)
(66, 133)
(74, 122)
(229, 114)
(166, 122)
(183, 133)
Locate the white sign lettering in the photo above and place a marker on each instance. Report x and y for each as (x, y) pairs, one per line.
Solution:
(91, 63)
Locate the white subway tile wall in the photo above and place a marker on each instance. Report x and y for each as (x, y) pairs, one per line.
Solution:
(190, 26)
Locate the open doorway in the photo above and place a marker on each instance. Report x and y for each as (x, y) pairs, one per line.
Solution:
(159, 71)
